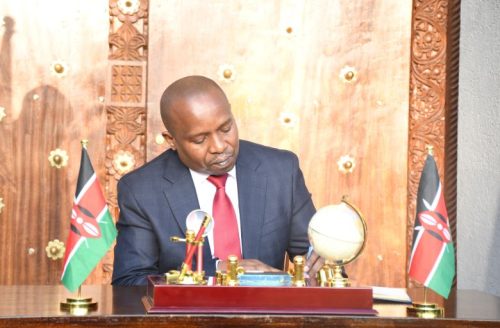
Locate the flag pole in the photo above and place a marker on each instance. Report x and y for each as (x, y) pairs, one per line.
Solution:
(425, 310)
(430, 149)
(84, 143)
(79, 305)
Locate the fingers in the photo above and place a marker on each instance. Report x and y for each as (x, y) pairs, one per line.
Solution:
(253, 265)
(313, 264)
(313, 261)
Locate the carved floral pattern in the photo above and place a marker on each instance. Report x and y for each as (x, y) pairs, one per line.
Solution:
(126, 122)
(127, 43)
(132, 16)
(427, 94)
(126, 40)
(123, 162)
(125, 132)
(128, 7)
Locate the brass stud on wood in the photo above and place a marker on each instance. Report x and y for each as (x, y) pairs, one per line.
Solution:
(2, 205)
(58, 158)
(123, 162)
(159, 139)
(346, 164)
(59, 68)
(348, 74)
(226, 73)
(2, 113)
(55, 249)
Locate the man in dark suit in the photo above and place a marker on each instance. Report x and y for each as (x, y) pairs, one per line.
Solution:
(272, 204)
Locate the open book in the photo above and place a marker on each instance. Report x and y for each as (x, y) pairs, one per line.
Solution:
(391, 294)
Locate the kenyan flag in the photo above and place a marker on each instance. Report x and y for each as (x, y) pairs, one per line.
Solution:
(92, 230)
(432, 261)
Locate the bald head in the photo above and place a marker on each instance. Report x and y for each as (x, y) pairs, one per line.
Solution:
(200, 126)
(181, 91)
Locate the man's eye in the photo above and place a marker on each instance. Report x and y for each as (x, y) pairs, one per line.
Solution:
(226, 129)
(199, 141)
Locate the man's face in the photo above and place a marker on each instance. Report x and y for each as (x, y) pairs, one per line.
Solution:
(204, 133)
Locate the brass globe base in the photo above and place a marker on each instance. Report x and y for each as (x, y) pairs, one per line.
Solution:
(330, 275)
(78, 306)
(425, 310)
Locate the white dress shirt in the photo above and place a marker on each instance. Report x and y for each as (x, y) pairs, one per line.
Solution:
(205, 191)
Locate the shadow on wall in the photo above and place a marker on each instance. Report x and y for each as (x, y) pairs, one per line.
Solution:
(492, 284)
(6, 63)
(39, 202)
(5, 100)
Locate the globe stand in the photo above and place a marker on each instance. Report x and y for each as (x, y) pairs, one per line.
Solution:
(330, 275)
(342, 246)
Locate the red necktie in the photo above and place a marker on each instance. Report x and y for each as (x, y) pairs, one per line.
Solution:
(226, 235)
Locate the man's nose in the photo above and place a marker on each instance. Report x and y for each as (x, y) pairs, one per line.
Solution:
(217, 144)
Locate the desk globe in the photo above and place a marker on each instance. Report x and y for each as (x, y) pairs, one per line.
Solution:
(337, 234)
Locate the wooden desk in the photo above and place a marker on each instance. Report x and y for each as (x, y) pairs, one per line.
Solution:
(38, 306)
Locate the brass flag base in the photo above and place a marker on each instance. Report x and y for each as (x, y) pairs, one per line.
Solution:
(78, 306)
(425, 310)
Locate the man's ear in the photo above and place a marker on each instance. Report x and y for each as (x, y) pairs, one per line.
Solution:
(170, 139)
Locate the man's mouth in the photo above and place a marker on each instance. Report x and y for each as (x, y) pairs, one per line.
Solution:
(222, 161)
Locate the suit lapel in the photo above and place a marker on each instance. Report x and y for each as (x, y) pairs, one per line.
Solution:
(182, 199)
(251, 197)
(252, 184)
(180, 193)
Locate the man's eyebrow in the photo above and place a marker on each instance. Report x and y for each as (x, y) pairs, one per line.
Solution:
(191, 136)
(229, 120)
(199, 134)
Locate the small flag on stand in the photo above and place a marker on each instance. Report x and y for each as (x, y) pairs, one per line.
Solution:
(432, 260)
(92, 230)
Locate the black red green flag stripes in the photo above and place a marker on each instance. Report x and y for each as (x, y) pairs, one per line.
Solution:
(92, 230)
(432, 260)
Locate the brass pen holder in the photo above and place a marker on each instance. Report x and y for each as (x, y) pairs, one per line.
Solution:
(298, 279)
(186, 276)
(230, 277)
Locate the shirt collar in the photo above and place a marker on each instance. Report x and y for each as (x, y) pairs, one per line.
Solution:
(201, 177)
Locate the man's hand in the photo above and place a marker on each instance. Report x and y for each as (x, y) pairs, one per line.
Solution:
(250, 265)
(313, 264)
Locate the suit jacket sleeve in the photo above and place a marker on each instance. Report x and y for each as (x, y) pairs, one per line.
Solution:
(136, 250)
(302, 211)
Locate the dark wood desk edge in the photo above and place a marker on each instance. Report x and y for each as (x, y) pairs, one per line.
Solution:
(121, 307)
(177, 321)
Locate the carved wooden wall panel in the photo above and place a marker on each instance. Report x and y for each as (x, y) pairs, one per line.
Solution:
(433, 99)
(126, 98)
